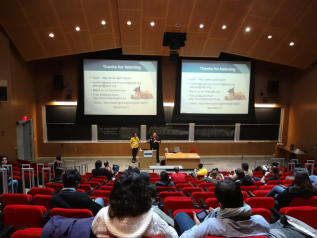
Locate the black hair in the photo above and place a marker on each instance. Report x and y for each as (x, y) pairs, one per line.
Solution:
(106, 163)
(164, 177)
(131, 169)
(129, 196)
(275, 170)
(229, 194)
(133, 133)
(200, 165)
(240, 174)
(70, 178)
(245, 166)
(58, 157)
(302, 181)
(1, 158)
(98, 164)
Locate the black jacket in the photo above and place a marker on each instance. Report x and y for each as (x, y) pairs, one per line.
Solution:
(102, 172)
(245, 181)
(285, 198)
(74, 200)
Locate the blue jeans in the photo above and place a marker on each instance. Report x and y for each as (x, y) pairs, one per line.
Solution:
(275, 191)
(313, 179)
(100, 201)
(256, 179)
(182, 223)
(15, 186)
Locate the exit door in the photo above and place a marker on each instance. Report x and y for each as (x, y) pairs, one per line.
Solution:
(25, 144)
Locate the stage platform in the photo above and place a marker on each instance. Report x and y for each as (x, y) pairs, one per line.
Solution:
(221, 162)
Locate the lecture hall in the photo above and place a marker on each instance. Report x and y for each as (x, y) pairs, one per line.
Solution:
(158, 118)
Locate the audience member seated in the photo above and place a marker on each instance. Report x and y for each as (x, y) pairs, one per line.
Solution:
(200, 171)
(59, 172)
(177, 175)
(145, 176)
(135, 169)
(214, 177)
(165, 180)
(274, 175)
(232, 218)
(11, 183)
(301, 187)
(108, 167)
(130, 213)
(246, 170)
(242, 179)
(70, 198)
(101, 171)
(57, 162)
(296, 170)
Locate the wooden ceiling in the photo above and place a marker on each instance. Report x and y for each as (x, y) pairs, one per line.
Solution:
(28, 23)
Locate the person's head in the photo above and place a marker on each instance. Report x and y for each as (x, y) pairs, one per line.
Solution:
(302, 181)
(164, 176)
(3, 159)
(154, 134)
(129, 196)
(98, 164)
(240, 174)
(298, 165)
(71, 178)
(200, 165)
(106, 163)
(176, 169)
(228, 194)
(274, 170)
(214, 173)
(134, 134)
(131, 169)
(59, 157)
(145, 176)
(59, 172)
(245, 166)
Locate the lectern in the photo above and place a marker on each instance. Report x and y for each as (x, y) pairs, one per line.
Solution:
(147, 158)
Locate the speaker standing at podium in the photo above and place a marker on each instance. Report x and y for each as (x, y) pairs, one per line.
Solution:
(155, 145)
(135, 146)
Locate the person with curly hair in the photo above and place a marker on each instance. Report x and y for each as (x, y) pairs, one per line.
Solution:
(129, 213)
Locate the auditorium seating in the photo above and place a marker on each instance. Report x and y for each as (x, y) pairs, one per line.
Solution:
(261, 193)
(71, 213)
(267, 187)
(212, 202)
(202, 195)
(248, 188)
(189, 212)
(174, 203)
(55, 186)
(257, 183)
(260, 202)
(189, 190)
(43, 191)
(106, 188)
(182, 185)
(161, 189)
(85, 187)
(287, 182)
(13, 198)
(93, 184)
(101, 193)
(196, 182)
(28, 233)
(262, 212)
(206, 185)
(274, 182)
(42, 200)
(304, 214)
(179, 181)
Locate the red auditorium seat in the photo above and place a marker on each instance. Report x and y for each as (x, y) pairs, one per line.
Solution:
(54, 186)
(88, 173)
(189, 190)
(174, 203)
(86, 176)
(257, 183)
(43, 191)
(162, 189)
(304, 214)
(189, 179)
(85, 187)
(71, 213)
(28, 233)
(154, 175)
(288, 182)
(245, 195)
(101, 193)
(274, 182)
(284, 209)
(43, 200)
(200, 176)
(248, 188)
(106, 188)
(93, 184)
(196, 182)
(193, 150)
(260, 202)
(154, 180)
(212, 202)
(267, 187)
(300, 202)
(261, 193)
(206, 185)
(82, 180)
(80, 190)
(183, 185)
(189, 212)
(23, 215)
(262, 212)
(202, 195)
(212, 188)
(179, 181)
(170, 194)
(224, 173)
(102, 177)
(99, 180)
(14, 198)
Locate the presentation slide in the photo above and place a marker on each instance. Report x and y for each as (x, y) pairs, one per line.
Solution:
(215, 87)
(120, 87)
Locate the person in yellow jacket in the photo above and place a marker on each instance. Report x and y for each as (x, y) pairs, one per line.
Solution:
(134, 146)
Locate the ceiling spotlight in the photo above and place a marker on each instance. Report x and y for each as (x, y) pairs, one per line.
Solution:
(152, 23)
(177, 25)
(270, 37)
(291, 44)
(201, 26)
(103, 23)
(77, 28)
(224, 27)
(129, 23)
(247, 29)
(51, 35)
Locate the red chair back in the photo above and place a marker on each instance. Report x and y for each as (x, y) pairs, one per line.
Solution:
(288, 182)
(202, 195)
(200, 176)
(212, 188)
(179, 181)
(189, 179)
(154, 175)
(154, 180)
(89, 173)
(101, 193)
(54, 186)
(274, 182)
(245, 194)
(257, 183)
(85, 187)
(162, 189)
(248, 188)
(93, 184)
(175, 203)
(14, 198)
(212, 202)
(182, 185)
(23, 215)
(297, 202)
(170, 194)
(267, 187)
(43, 191)
(260, 202)
(189, 190)
(224, 173)
(100, 180)
(102, 177)
(304, 214)
(262, 212)
(28, 233)
(43, 200)
(206, 185)
(196, 182)
(106, 188)
(189, 212)
(80, 190)
(71, 213)
(261, 193)
(193, 150)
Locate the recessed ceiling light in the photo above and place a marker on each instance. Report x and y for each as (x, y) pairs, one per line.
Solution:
(291, 44)
(224, 27)
(51, 35)
(201, 26)
(152, 23)
(103, 23)
(129, 23)
(270, 37)
(77, 28)
(177, 25)
(247, 29)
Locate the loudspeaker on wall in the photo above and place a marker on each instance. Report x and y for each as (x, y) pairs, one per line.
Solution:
(58, 82)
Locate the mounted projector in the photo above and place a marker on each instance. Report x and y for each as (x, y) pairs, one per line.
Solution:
(174, 40)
